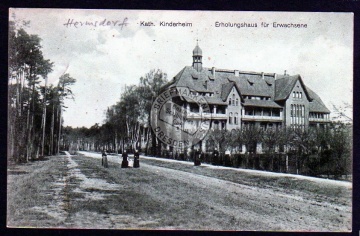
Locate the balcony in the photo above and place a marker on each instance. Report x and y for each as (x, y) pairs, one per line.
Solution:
(213, 116)
(262, 118)
(312, 119)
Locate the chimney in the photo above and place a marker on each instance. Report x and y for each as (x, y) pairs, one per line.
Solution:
(285, 72)
(275, 76)
(262, 75)
(236, 73)
(213, 72)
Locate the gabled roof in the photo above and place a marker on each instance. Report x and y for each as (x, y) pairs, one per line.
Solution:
(209, 100)
(252, 84)
(226, 89)
(317, 105)
(284, 86)
(247, 84)
(261, 103)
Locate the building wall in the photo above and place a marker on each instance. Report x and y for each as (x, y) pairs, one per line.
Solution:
(233, 109)
(299, 99)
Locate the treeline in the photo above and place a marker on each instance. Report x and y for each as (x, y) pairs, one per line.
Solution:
(127, 123)
(34, 110)
(313, 151)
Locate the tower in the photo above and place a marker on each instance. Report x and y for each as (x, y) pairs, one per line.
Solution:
(197, 58)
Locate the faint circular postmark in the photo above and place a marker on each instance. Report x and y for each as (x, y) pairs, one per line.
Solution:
(180, 117)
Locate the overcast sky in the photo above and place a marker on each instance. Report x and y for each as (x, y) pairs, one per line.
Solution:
(104, 58)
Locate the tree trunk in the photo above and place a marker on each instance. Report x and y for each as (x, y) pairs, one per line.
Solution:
(51, 148)
(44, 120)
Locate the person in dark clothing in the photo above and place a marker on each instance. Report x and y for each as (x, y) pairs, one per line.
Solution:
(197, 161)
(124, 163)
(104, 160)
(136, 159)
(215, 157)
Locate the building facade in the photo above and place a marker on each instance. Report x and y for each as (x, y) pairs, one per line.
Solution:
(237, 98)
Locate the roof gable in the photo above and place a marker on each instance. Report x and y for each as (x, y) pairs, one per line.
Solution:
(284, 86)
(226, 89)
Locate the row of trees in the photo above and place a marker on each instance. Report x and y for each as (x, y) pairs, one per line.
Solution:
(311, 148)
(126, 122)
(336, 135)
(34, 110)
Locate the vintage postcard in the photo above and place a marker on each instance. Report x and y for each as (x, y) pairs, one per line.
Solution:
(180, 120)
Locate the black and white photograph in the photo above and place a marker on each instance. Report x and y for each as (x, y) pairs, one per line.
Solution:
(180, 120)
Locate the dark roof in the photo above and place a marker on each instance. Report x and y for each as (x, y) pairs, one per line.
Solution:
(209, 100)
(215, 100)
(261, 103)
(252, 84)
(247, 84)
(283, 87)
(316, 105)
(285, 84)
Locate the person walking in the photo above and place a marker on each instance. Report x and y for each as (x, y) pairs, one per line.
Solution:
(124, 163)
(136, 159)
(215, 157)
(104, 160)
(197, 161)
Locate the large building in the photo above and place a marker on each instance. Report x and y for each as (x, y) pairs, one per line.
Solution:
(236, 98)
(239, 97)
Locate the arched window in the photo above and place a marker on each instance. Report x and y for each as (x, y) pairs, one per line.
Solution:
(229, 101)
(233, 101)
(300, 94)
(237, 101)
(236, 118)
(293, 94)
(230, 117)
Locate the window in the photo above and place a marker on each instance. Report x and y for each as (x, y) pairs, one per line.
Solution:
(230, 117)
(294, 94)
(236, 118)
(237, 101)
(249, 111)
(229, 101)
(300, 94)
(266, 112)
(303, 110)
(276, 112)
(233, 99)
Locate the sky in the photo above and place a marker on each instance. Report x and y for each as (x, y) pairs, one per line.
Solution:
(106, 57)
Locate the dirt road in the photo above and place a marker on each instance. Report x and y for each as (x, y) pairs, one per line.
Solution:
(77, 192)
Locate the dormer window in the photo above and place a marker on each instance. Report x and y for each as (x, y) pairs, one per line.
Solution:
(268, 83)
(195, 75)
(251, 82)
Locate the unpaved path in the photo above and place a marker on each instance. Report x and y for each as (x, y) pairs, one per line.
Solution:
(176, 195)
